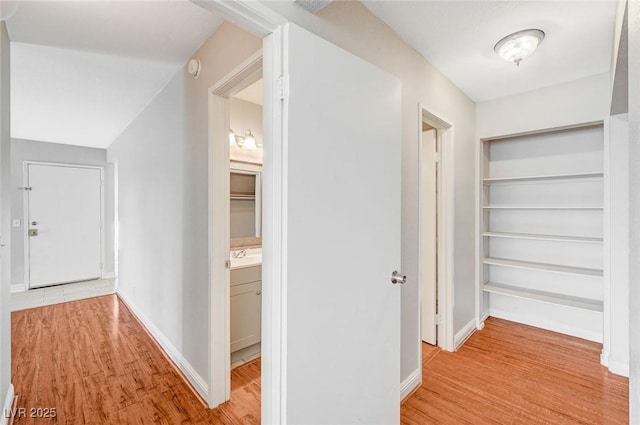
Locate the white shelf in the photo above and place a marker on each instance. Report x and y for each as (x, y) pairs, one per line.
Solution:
(530, 236)
(543, 266)
(542, 207)
(491, 180)
(553, 298)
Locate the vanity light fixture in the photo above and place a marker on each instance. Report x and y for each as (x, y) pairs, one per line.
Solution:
(519, 45)
(248, 141)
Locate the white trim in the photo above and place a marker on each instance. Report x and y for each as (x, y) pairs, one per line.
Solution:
(412, 382)
(445, 214)
(465, 333)
(8, 405)
(251, 16)
(25, 212)
(174, 354)
(274, 235)
(606, 235)
(540, 322)
(619, 368)
(110, 275)
(18, 287)
(480, 321)
(243, 75)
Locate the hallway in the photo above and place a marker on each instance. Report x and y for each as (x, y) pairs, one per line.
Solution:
(94, 363)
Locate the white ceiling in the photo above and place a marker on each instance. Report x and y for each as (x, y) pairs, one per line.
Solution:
(82, 71)
(252, 94)
(457, 37)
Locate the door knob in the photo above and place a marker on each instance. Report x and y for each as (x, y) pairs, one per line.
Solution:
(397, 277)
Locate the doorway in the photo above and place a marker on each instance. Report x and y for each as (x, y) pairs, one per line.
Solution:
(429, 232)
(436, 231)
(235, 214)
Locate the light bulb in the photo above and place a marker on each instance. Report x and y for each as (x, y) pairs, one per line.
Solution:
(249, 141)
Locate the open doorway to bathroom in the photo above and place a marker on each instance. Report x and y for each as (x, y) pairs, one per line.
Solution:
(236, 132)
(245, 225)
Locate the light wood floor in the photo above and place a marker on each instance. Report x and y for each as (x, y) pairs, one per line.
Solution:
(94, 362)
(517, 374)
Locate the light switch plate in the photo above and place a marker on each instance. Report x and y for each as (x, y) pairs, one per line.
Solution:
(16, 223)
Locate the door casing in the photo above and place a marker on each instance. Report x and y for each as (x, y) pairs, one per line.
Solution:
(445, 137)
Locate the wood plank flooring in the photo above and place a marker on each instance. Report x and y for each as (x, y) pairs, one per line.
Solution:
(94, 362)
(517, 374)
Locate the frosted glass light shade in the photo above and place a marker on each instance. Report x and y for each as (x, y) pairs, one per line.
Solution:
(519, 45)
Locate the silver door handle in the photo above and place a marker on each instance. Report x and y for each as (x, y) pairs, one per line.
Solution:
(397, 277)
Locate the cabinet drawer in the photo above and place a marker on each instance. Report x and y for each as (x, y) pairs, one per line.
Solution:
(246, 275)
(246, 315)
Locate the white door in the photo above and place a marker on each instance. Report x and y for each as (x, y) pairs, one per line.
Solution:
(64, 219)
(342, 158)
(428, 237)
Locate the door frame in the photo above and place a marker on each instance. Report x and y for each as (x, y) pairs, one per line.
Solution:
(219, 233)
(445, 229)
(25, 216)
(263, 22)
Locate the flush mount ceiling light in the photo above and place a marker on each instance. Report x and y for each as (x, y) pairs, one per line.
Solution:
(519, 45)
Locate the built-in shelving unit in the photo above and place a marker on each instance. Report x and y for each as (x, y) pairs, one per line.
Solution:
(541, 214)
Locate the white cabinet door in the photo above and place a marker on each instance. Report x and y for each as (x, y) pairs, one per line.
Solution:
(342, 162)
(64, 207)
(246, 310)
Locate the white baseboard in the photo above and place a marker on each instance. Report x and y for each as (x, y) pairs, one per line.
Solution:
(18, 287)
(541, 322)
(174, 354)
(111, 275)
(412, 382)
(463, 335)
(7, 406)
(619, 368)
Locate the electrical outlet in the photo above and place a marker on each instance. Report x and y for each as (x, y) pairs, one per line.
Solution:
(16, 223)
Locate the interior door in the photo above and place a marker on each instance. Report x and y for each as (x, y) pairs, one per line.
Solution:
(64, 224)
(429, 237)
(342, 205)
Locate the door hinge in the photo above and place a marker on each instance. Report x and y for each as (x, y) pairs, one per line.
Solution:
(437, 157)
(227, 264)
(283, 87)
(438, 319)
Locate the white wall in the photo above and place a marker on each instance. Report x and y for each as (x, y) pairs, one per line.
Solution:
(5, 218)
(350, 25)
(28, 150)
(634, 209)
(162, 161)
(576, 102)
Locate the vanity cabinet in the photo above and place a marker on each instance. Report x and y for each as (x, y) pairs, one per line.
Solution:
(246, 307)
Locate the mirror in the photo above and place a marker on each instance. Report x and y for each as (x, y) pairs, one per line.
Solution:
(245, 206)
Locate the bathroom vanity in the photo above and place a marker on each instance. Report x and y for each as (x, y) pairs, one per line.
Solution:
(246, 299)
